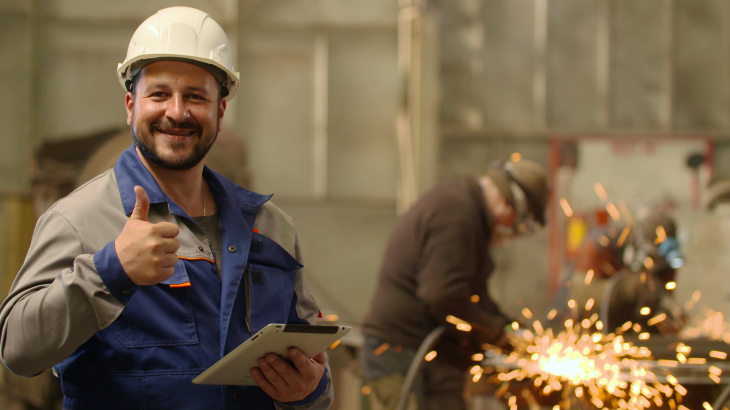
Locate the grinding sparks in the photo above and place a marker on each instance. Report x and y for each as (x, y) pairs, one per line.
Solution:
(566, 207)
(515, 157)
(589, 277)
(606, 370)
(600, 191)
(656, 319)
(526, 313)
(613, 211)
(624, 235)
(460, 324)
(671, 285)
(718, 355)
(645, 311)
(431, 355)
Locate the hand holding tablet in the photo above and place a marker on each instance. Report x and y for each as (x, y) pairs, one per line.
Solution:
(287, 382)
(274, 344)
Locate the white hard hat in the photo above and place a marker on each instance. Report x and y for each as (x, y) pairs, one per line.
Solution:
(181, 33)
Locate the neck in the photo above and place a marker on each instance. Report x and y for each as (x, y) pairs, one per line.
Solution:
(186, 188)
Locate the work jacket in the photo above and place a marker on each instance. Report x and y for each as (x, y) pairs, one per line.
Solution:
(437, 264)
(117, 345)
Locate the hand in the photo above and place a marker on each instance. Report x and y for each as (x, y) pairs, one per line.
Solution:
(285, 383)
(146, 250)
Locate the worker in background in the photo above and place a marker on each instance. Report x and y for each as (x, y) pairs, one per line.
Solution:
(641, 289)
(717, 193)
(436, 265)
(149, 273)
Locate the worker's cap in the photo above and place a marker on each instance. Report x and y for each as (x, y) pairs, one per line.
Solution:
(530, 178)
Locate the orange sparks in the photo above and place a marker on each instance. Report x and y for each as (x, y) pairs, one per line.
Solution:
(589, 276)
(381, 349)
(624, 235)
(566, 207)
(656, 319)
(600, 191)
(431, 355)
(718, 355)
(613, 211)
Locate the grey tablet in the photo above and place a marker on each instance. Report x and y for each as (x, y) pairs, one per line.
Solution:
(235, 367)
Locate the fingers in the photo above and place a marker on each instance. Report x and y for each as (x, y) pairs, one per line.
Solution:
(141, 205)
(169, 245)
(272, 375)
(169, 260)
(166, 229)
(264, 383)
(304, 365)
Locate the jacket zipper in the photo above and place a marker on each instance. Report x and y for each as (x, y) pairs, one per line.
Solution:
(247, 288)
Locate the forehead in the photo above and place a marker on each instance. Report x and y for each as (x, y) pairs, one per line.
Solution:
(177, 73)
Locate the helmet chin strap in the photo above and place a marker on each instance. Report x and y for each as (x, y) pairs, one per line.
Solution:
(524, 224)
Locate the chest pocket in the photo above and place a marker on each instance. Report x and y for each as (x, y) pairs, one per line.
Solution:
(271, 276)
(160, 315)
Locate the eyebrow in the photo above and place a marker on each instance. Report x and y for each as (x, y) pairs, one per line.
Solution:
(162, 86)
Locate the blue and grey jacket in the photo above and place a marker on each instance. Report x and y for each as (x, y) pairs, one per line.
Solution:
(117, 345)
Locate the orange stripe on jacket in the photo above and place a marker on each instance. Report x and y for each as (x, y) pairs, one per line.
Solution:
(197, 259)
(181, 285)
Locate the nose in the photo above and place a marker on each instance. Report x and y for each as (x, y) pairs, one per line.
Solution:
(177, 110)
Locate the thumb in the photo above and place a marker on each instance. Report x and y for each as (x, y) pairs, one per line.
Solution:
(141, 205)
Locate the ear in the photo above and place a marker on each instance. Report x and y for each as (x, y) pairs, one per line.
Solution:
(129, 105)
(504, 213)
(221, 111)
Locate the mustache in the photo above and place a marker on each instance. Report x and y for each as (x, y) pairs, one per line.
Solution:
(166, 124)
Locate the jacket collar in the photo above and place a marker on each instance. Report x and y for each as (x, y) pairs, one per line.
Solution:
(130, 171)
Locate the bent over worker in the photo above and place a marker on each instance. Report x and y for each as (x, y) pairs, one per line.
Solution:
(436, 265)
(151, 272)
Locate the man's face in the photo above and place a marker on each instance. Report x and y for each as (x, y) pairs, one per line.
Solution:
(175, 113)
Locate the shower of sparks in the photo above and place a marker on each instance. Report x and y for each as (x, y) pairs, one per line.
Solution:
(671, 285)
(431, 355)
(605, 370)
(566, 207)
(600, 191)
(712, 325)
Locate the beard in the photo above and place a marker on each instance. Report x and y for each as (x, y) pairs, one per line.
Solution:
(147, 145)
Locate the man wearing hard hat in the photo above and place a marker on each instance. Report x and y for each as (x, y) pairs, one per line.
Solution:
(149, 273)
(435, 272)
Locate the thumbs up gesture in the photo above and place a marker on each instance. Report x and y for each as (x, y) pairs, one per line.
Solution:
(146, 250)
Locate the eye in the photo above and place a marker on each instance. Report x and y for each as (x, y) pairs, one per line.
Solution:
(196, 97)
(157, 94)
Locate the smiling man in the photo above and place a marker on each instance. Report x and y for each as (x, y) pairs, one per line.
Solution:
(149, 273)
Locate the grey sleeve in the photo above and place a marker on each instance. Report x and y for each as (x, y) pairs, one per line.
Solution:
(308, 310)
(57, 302)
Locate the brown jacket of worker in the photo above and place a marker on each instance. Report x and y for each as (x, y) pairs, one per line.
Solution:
(437, 264)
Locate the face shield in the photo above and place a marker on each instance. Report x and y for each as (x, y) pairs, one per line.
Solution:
(524, 224)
